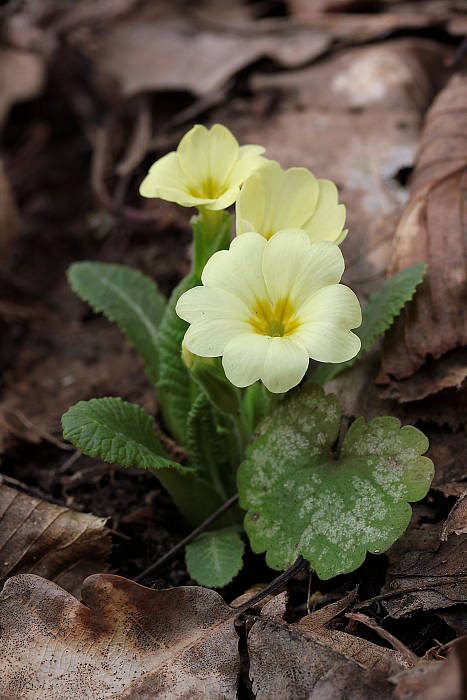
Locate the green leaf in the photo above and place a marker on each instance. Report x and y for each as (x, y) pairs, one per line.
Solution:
(301, 500)
(127, 297)
(377, 316)
(215, 557)
(123, 433)
(116, 431)
(175, 388)
(208, 436)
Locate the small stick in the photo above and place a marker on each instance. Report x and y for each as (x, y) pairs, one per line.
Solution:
(285, 576)
(189, 538)
(440, 581)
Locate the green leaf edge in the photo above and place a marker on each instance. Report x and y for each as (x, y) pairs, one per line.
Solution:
(150, 359)
(191, 554)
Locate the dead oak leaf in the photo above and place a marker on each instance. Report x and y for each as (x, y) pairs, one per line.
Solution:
(433, 230)
(434, 577)
(122, 641)
(52, 541)
(152, 55)
(307, 659)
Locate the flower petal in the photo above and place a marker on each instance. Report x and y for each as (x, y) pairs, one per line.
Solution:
(326, 320)
(336, 304)
(285, 364)
(201, 303)
(244, 357)
(208, 338)
(165, 179)
(207, 157)
(250, 160)
(274, 199)
(279, 362)
(239, 269)
(327, 221)
(294, 268)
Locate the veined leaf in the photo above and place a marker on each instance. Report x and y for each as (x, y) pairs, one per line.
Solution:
(301, 500)
(208, 435)
(175, 388)
(123, 433)
(215, 557)
(377, 316)
(126, 297)
(116, 431)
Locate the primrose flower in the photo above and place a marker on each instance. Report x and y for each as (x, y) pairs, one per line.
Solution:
(206, 170)
(268, 306)
(273, 199)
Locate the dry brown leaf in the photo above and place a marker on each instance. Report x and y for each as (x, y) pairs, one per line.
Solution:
(45, 539)
(22, 76)
(306, 659)
(456, 522)
(433, 230)
(439, 680)
(435, 577)
(399, 74)
(143, 54)
(122, 641)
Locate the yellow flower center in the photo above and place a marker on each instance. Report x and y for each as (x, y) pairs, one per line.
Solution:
(210, 189)
(276, 320)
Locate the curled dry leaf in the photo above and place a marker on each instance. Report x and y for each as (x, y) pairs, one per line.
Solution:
(439, 680)
(122, 641)
(306, 659)
(456, 522)
(144, 54)
(41, 538)
(434, 577)
(433, 230)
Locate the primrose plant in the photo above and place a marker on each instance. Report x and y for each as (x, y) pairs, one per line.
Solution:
(226, 354)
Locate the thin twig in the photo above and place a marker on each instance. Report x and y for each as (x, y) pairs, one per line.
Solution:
(285, 576)
(189, 538)
(441, 581)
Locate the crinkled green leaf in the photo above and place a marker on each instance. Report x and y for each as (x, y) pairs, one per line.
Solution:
(116, 431)
(208, 436)
(175, 389)
(215, 557)
(377, 316)
(126, 297)
(123, 433)
(301, 500)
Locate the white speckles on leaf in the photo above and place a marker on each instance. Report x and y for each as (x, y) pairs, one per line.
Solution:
(329, 512)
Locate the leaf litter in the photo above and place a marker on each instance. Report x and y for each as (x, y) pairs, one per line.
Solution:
(365, 139)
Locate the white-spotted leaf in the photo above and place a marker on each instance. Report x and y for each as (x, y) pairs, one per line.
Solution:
(215, 557)
(302, 500)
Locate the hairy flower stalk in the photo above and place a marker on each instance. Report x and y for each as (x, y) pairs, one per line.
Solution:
(267, 306)
(206, 171)
(273, 199)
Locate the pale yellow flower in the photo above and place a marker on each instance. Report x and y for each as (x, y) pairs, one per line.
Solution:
(268, 306)
(206, 170)
(273, 199)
